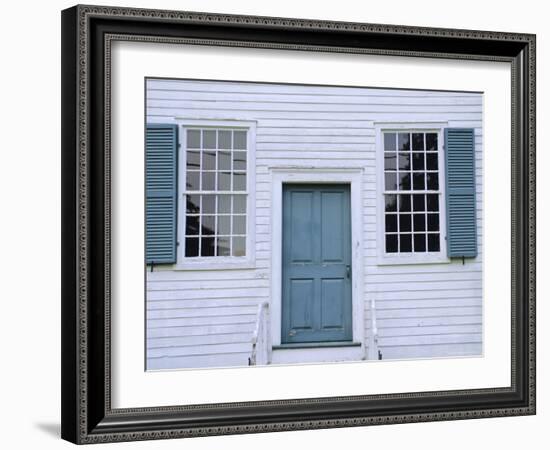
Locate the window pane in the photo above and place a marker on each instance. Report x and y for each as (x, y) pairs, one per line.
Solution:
(239, 160)
(404, 203)
(192, 225)
(208, 160)
(391, 222)
(191, 247)
(224, 181)
(432, 183)
(433, 202)
(433, 242)
(404, 181)
(390, 162)
(207, 246)
(208, 204)
(224, 139)
(192, 181)
(209, 139)
(239, 246)
(391, 202)
(389, 141)
(193, 160)
(239, 225)
(403, 141)
(193, 139)
(239, 181)
(224, 225)
(431, 141)
(391, 243)
(192, 204)
(431, 161)
(239, 140)
(418, 161)
(224, 160)
(215, 223)
(419, 242)
(433, 222)
(404, 161)
(418, 202)
(419, 222)
(224, 204)
(208, 181)
(418, 182)
(208, 225)
(222, 244)
(391, 181)
(405, 243)
(239, 204)
(404, 222)
(418, 141)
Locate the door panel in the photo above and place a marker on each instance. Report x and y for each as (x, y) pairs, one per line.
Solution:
(301, 297)
(316, 264)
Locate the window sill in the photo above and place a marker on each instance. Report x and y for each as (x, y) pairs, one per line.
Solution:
(222, 265)
(317, 345)
(413, 259)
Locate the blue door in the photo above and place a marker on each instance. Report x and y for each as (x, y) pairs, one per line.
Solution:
(316, 303)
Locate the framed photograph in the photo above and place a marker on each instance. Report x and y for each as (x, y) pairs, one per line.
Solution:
(278, 224)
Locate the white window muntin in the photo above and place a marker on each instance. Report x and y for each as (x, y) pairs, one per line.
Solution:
(412, 257)
(218, 261)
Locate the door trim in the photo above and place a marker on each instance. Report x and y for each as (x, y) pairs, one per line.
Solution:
(296, 175)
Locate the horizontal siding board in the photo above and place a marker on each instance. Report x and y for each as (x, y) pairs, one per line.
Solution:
(216, 349)
(443, 321)
(173, 323)
(427, 312)
(432, 339)
(217, 87)
(196, 340)
(332, 116)
(431, 303)
(309, 107)
(431, 351)
(312, 125)
(194, 361)
(245, 97)
(165, 329)
(387, 332)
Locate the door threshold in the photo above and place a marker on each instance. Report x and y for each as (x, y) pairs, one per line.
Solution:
(317, 352)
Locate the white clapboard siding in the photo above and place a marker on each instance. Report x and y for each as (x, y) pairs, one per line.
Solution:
(206, 318)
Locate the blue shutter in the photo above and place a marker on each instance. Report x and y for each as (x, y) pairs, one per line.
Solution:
(161, 189)
(461, 192)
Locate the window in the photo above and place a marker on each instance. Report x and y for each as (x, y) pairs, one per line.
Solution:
(215, 192)
(412, 192)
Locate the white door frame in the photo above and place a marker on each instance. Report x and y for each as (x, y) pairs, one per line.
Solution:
(351, 176)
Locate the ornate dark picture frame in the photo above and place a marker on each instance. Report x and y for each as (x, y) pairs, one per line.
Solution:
(87, 34)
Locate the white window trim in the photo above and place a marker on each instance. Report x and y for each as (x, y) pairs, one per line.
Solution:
(384, 258)
(217, 262)
(308, 175)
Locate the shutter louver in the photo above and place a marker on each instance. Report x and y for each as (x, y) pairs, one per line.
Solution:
(461, 193)
(160, 186)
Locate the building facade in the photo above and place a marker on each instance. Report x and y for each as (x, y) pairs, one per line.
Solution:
(300, 223)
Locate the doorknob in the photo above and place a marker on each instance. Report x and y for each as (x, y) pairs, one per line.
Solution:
(348, 271)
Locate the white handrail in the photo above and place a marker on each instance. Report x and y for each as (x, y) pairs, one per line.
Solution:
(260, 354)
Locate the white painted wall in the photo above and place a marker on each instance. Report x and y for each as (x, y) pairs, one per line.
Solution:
(205, 318)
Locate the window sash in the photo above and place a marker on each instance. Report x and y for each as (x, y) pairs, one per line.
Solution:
(244, 237)
(439, 192)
